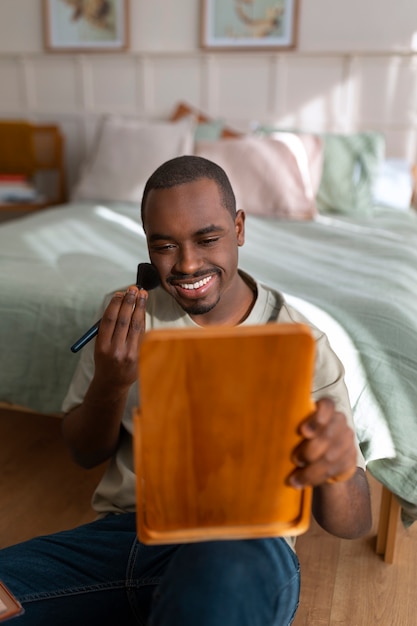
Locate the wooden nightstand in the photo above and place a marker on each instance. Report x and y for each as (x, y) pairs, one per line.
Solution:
(38, 152)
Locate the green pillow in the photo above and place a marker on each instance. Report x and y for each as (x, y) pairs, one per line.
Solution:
(208, 131)
(350, 167)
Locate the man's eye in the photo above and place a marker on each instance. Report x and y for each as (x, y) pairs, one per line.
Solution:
(163, 247)
(209, 242)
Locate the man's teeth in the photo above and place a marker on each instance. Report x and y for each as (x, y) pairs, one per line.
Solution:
(198, 284)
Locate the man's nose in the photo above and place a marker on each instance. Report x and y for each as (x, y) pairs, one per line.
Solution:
(188, 260)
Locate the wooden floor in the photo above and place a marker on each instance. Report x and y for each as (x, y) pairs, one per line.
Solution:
(343, 582)
(41, 489)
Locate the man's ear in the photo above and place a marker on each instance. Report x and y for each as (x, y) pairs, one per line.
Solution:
(240, 227)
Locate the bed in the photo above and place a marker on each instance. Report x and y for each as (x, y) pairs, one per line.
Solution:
(353, 273)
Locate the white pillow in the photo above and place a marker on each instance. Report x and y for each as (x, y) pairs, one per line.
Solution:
(126, 153)
(393, 186)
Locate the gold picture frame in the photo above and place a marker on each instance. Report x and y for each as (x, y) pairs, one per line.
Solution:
(249, 24)
(71, 26)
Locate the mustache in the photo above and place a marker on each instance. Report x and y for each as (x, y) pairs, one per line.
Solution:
(173, 278)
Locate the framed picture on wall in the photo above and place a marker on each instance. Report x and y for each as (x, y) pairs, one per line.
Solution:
(86, 26)
(249, 24)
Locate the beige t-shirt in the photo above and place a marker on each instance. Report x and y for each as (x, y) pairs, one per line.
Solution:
(116, 493)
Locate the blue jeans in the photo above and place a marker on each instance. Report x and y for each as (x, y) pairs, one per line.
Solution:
(99, 574)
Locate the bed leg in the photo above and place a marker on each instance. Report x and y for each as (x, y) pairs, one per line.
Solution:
(387, 526)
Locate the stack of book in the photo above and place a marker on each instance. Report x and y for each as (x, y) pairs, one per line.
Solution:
(17, 188)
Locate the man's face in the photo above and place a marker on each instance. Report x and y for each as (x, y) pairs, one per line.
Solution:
(193, 242)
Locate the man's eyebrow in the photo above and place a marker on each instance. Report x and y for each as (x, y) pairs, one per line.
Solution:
(207, 230)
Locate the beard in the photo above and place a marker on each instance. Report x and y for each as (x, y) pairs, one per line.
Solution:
(198, 308)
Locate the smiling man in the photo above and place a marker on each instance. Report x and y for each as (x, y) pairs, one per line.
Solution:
(100, 573)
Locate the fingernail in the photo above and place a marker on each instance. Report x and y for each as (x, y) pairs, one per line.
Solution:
(298, 462)
(309, 430)
(294, 482)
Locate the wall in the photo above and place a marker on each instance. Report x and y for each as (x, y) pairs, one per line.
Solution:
(354, 69)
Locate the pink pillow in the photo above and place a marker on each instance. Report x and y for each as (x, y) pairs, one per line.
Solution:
(274, 177)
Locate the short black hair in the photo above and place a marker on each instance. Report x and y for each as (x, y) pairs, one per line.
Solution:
(188, 169)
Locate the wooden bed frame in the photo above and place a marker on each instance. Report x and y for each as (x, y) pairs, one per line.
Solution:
(389, 515)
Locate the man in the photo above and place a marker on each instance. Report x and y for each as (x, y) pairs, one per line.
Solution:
(100, 573)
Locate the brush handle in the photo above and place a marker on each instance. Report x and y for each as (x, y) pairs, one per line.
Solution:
(146, 278)
(88, 336)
